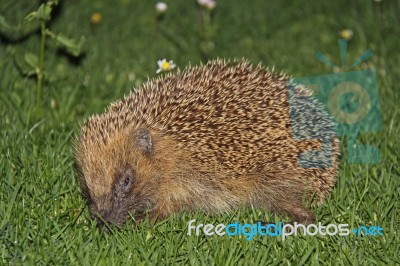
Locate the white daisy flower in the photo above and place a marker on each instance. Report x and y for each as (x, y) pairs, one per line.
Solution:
(202, 2)
(164, 65)
(161, 7)
(211, 4)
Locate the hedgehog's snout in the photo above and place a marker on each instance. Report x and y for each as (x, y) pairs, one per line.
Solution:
(100, 221)
(105, 217)
(104, 225)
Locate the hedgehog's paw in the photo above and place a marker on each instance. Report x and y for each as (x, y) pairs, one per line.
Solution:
(159, 213)
(301, 215)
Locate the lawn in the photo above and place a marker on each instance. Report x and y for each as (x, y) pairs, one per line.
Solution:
(43, 218)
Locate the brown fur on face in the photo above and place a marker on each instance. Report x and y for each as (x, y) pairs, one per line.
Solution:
(124, 179)
(213, 138)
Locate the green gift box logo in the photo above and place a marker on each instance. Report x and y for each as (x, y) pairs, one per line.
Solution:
(351, 98)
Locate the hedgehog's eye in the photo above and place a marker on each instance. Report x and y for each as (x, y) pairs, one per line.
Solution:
(125, 181)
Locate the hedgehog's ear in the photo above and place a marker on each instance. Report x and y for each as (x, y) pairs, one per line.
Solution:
(144, 141)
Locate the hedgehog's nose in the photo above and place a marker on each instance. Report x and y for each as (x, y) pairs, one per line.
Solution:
(106, 220)
(102, 225)
(101, 217)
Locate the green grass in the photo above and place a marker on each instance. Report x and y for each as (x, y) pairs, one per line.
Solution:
(43, 219)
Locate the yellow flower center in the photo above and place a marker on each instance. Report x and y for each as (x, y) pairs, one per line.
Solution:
(95, 18)
(165, 66)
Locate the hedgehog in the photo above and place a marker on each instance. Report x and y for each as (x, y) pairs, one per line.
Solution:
(214, 137)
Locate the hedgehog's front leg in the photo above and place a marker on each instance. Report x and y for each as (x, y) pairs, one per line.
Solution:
(298, 212)
(272, 194)
(163, 210)
(294, 209)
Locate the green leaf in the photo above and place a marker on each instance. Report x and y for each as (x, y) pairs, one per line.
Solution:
(25, 68)
(32, 60)
(80, 45)
(44, 11)
(65, 41)
(31, 17)
(13, 32)
(71, 45)
(4, 26)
